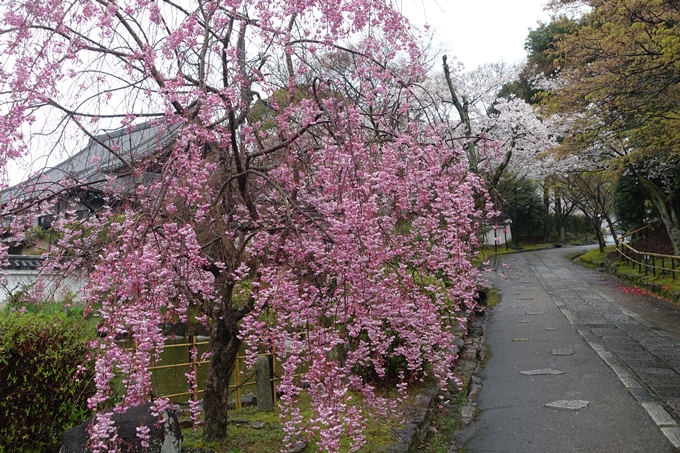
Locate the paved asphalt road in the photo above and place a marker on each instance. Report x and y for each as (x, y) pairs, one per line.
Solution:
(566, 336)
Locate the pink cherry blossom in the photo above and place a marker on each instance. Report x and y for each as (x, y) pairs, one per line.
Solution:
(271, 169)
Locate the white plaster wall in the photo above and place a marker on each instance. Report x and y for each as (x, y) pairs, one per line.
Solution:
(56, 287)
(499, 237)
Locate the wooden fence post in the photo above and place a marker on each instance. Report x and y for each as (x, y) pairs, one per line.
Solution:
(663, 266)
(673, 268)
(639, 257)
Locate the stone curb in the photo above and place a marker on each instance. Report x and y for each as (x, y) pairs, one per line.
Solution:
(418, 415)
(473, 358)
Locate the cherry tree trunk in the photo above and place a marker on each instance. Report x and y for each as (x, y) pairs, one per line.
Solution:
(600, 239)
(224, 347)
(560, 217)
(670, 221)
(546, 209)
(612, 230)
(667, 212)
(596, 224)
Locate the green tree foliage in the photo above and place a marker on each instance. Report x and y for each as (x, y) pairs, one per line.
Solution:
(524, 206)
(539, 46)
(629, 203)
(523, 88)
(621, 73)
(44, 384)
(540, 43)
(620, 82)
(578, 228)
(591, 193)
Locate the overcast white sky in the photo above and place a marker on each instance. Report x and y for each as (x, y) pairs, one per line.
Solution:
(479, 31)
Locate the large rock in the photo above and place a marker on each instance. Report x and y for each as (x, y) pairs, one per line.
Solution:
(165, 438)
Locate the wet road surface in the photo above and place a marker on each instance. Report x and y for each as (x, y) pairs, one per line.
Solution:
(576, 364)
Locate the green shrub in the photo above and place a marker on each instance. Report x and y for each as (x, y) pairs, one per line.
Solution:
(41, 391)
(630, 204)
(524, 206)
(578, 228)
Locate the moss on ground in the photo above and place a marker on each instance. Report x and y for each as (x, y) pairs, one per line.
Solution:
(594, 258)
(492, 297)
(252, 431)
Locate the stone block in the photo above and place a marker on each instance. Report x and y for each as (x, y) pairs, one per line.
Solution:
(265, 394)
(165, 438)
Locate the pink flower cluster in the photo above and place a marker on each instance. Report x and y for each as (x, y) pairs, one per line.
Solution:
(303, 196)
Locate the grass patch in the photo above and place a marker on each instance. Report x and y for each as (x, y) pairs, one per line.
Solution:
(243, 437)
(492, 297)
(665, 282)
(594, 257)
(660, 285)
(447, 417)
(446, 421)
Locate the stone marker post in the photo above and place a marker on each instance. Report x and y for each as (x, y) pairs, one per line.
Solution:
(265, 397)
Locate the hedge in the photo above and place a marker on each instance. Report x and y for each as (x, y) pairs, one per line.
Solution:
(42, 392)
